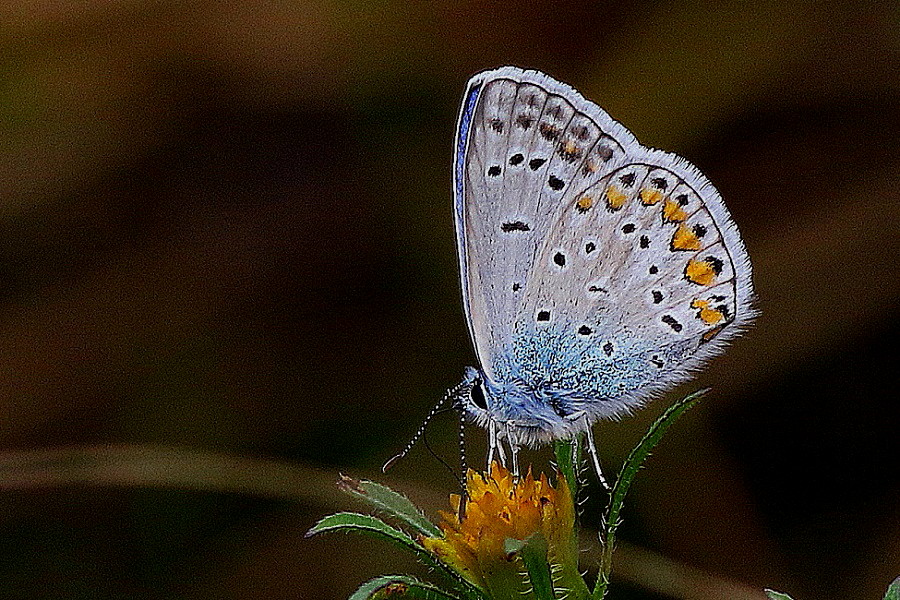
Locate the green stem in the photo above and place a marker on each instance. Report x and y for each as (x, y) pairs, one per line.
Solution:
(565, 549)
(629, 469)
(568, 453)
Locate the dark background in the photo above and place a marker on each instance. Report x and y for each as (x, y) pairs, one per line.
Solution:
(227, 272)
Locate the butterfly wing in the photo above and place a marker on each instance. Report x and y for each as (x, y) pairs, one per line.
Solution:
(592, 266)
(510, 131)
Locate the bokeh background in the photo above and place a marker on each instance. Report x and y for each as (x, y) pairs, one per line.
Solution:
(227, 272)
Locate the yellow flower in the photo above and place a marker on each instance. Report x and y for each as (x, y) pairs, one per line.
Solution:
(500, 507)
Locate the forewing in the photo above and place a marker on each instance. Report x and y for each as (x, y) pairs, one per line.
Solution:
(523, 141)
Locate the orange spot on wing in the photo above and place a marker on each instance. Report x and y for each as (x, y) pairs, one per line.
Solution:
(706, 313)
(685, 239)
(673, 212)
(584, 203)
(650, 196)
(615, 198)
(707, 336)
(699, 272)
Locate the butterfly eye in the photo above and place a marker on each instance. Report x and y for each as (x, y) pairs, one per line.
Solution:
(477, 395)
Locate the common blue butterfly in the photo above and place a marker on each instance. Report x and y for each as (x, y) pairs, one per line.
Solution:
(596, 272)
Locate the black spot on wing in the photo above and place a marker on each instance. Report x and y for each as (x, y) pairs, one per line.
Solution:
(604, 152)
(627, 179)
(555, 183)
(514, 226)
(722, 308)
(672, 322)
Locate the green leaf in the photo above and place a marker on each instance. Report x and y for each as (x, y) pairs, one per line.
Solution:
(400, 586)
(626, 476)
(893, 591)
(391, 503)
(376, 527)
(367, 524)
(534, 554)
(773, 595)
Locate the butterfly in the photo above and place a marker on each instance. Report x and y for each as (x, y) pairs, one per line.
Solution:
(596, 272)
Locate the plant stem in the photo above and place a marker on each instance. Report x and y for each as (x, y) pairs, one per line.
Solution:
(629, 469)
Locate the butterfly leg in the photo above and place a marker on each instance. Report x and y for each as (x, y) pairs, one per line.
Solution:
(501, 453)
(513, 450)
(592, 450)
(495, 446)
(492, 442)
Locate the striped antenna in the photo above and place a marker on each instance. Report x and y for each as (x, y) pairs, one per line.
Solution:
(452, 393)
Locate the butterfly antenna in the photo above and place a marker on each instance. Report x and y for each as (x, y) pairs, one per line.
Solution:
(463, 465)
(450, 394)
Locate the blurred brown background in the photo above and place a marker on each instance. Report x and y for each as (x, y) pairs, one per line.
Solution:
(227, 272)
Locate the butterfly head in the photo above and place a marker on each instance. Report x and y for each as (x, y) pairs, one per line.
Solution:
(496, 408)
(477, 397)
(533, 415)
(505, 407)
